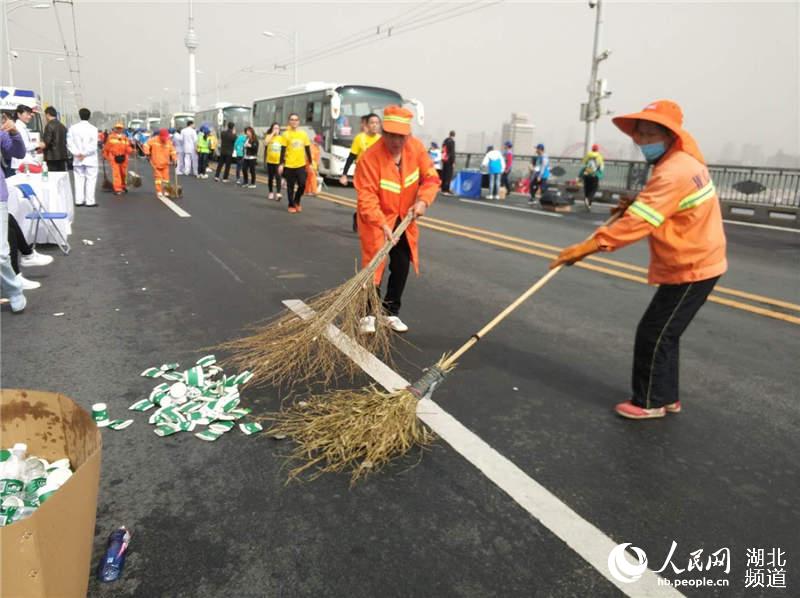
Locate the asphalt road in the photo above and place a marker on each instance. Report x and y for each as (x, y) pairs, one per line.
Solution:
(216, 519)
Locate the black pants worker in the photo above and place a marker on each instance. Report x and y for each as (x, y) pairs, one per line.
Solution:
(656, 351)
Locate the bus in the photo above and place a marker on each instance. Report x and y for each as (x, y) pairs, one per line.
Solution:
(222, 113)
(135, 123)
(11, 97)
(331, 110)
(177, 120)
(153, 124)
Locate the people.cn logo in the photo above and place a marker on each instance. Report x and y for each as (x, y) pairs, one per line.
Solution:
(621, 568)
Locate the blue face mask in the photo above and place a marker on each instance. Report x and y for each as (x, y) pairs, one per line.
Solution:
(653, 151)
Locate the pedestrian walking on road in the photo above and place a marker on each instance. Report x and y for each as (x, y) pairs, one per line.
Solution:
(679, 212)
(540, 173)
(250, 158)
(591, 173)
(508, 156)
(203, 152)
(436, 157)
(369, 136)
(295, 154)
(54, 142)
(117, 149)
(273, 143)
(162, 154)
(226, 141)
(448, 161)
(494, 164)
(238, 155)
(312, 169)
(177, 143)
(82, 144)
(396, 176)
(189, 136)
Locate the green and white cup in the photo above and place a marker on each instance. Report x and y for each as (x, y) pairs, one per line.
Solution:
(100, 414)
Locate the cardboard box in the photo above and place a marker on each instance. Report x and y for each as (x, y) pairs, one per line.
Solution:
(49, 554)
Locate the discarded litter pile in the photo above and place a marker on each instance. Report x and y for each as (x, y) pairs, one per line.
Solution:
(26, 482)
(200, 396)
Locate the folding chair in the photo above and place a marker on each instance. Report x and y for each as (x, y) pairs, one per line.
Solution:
(39, 214)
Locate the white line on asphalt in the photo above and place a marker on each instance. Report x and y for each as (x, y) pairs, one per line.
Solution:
(516, 209)
(769, 226)
(580, 535)
(225, 267)
(175, 207)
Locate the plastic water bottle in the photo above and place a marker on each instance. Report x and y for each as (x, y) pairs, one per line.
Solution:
(110, 567)
(35, 477)
(12, 474)
(44, 172)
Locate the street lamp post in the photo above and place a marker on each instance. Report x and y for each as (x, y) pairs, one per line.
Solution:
(592, 110)
(293, 39)
(192, 43)
(15, 4)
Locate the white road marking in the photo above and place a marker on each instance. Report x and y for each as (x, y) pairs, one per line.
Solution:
(515, 208)
(769, 226)
(175, 207)
(589, 542)
(225, 267)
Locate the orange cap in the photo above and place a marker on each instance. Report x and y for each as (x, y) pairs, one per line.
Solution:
(119, 125)
(397, 119)
(667, 114)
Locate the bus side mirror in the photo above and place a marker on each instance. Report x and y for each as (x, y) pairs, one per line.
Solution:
(336, 105)
(419, 109)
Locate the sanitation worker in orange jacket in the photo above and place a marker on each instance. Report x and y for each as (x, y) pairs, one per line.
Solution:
(394, 176)
(313, 168)
(678, 211)
(116, 150)
(161, 153)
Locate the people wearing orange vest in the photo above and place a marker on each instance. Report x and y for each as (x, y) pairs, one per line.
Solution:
(393, 177)
(161, 153)
(679, 212)
(116, 150)
(313, 168)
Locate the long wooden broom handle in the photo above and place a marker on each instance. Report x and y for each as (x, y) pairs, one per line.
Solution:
(451, 359)
(396, 234)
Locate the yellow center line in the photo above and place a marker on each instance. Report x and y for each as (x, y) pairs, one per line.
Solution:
(502, 241)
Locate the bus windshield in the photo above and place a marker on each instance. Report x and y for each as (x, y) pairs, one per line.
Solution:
(182, 119)
(358, 102)
(238, 115)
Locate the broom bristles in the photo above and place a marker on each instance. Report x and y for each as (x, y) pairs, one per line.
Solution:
(289, 350)
(357, 431)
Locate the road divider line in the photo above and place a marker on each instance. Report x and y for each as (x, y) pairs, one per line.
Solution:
(551, 251)
(175, 207)
(515, 208)
(585, 539)
(757, 225)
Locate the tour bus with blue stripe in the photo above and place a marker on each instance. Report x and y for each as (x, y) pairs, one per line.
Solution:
(11, 97)
(331, 110)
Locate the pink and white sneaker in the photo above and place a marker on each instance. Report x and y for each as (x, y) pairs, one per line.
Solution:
(631, 411)
(673, 407)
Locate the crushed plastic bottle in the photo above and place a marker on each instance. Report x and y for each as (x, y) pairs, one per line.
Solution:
(12, 472)
(113, 561)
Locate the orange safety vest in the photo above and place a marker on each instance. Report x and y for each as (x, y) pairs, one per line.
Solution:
(386, 194)
(161, 154)
(116, 145)
(679, 211)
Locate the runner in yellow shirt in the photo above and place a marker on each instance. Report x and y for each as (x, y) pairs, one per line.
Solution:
(273, 142)
(295, 154)
(369, 135)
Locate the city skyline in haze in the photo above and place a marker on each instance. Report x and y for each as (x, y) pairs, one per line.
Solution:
(734, 67)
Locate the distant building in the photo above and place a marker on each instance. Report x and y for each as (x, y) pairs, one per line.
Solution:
(520, 131)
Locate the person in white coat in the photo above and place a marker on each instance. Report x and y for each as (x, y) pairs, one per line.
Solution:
(82, 144)
(24, 115)
(177, 141)
(189, 135)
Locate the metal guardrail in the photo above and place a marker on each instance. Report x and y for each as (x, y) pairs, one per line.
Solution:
(756, 186)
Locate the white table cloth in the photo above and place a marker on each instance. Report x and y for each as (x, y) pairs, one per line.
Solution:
(55, 195)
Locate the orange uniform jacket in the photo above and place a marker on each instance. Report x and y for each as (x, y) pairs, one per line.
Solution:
(116, 145)
(161, 154)
(679, 211)
(385, 195)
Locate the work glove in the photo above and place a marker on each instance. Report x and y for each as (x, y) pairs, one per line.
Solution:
(575, 253)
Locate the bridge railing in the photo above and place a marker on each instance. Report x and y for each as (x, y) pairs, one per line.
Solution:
(757, 186)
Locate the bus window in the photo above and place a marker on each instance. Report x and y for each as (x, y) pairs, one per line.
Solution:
(310, 112)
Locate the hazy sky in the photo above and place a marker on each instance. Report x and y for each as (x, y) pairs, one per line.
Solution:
(733, 66)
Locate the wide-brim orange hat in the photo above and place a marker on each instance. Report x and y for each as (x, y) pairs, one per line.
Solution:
(667, 114)
(397, 119)
(119, 126)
